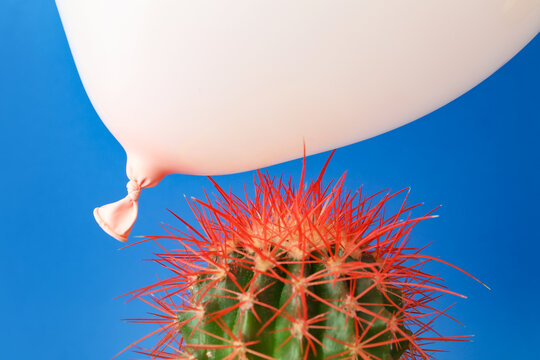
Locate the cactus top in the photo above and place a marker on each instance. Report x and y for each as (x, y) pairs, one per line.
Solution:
(314, 272)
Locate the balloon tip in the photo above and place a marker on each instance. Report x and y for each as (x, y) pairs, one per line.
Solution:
(107, 228)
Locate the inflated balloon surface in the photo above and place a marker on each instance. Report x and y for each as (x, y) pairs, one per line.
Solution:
(222, 86)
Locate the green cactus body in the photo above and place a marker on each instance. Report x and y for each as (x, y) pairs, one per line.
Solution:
(277, 330)
(315, 273)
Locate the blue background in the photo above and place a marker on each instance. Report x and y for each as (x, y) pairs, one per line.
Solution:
(59, 273)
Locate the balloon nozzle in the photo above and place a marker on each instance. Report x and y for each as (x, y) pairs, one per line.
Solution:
(117, 219)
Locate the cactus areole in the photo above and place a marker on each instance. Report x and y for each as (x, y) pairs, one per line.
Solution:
(313, 272)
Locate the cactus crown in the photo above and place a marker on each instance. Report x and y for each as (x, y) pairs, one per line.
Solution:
(310, 273)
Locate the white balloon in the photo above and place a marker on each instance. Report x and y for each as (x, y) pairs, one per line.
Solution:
(222, 86)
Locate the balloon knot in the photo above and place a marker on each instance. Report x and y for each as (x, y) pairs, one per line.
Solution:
(134, 190)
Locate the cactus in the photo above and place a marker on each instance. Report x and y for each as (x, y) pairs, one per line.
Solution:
(308, 273)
